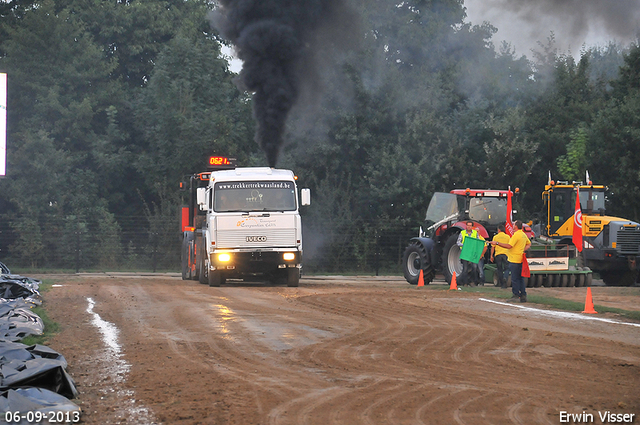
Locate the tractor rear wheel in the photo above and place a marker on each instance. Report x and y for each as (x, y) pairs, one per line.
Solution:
(414, 260)
(451, 258)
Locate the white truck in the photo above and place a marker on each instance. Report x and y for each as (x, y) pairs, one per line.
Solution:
(243, 223)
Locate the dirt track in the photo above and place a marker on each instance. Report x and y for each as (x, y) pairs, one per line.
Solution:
(336, 351)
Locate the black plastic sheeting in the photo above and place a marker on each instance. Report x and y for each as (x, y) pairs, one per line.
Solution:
(18, 321)
(34, 399)
(34, 366)
(32, 378)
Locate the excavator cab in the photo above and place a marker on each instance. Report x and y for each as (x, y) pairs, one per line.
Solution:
(560, 201)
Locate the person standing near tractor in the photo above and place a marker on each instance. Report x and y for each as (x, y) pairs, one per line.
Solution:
(499, 256)
(517, 245)
(470, 272)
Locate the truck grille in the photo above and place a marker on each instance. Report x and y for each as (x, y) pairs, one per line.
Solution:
(254, 238)
(628, 240)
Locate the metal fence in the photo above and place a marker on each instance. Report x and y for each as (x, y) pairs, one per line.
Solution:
(142, 243)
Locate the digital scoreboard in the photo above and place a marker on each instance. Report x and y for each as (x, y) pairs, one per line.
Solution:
(221, 163)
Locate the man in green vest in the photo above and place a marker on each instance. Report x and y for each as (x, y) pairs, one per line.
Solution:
(470, 274)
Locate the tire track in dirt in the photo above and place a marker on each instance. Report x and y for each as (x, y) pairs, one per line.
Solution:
(464, 344)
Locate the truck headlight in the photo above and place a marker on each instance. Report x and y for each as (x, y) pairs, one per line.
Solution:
(224, 258)
(289, 256)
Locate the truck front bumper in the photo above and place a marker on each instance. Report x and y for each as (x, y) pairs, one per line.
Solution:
(255, 261)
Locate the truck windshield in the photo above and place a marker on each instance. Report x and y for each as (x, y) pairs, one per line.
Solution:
(491, 211)
(254, 196)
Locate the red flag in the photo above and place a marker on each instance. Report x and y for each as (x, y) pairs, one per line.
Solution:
(526, 272)
(509, 223)
(577, 223)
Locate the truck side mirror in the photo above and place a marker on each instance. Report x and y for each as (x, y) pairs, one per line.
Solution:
(305, 194)
(201, 198)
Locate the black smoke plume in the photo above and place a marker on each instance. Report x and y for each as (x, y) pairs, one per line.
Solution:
(278, 42)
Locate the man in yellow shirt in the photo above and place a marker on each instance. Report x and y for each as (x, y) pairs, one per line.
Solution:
(517, 245)
(499, 256)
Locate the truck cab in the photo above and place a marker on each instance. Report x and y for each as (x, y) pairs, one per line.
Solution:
(250, 226)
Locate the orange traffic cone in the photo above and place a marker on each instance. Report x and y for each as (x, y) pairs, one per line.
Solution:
(588, 304)
(454, 285)
(421, 279)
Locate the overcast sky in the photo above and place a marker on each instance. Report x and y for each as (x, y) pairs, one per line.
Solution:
(574, 22)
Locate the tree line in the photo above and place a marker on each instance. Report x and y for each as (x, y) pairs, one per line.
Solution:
(111, 104)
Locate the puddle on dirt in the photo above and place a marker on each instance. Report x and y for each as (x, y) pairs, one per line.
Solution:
(112, 364)
(284, 336)
(225, 316)
(277, 336)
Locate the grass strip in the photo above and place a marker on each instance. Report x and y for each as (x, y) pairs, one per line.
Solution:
(50, 327)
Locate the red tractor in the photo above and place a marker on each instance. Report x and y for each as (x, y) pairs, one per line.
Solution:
(435, 250)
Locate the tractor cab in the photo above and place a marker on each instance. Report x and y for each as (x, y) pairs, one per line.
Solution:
(485, 207)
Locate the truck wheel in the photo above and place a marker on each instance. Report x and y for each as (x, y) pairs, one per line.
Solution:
(416, 258)
(202, 270)
(185, 264)
(196, 255)
(214, 278)
(186, 255)
(451, 258)
(293, 277)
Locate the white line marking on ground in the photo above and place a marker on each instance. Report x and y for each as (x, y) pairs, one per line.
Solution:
(562, 314)
(118, 368)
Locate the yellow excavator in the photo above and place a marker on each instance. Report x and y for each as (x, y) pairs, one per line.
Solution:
(611, 245)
